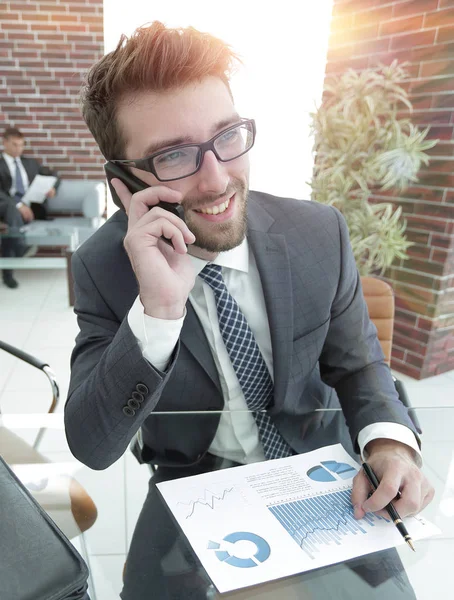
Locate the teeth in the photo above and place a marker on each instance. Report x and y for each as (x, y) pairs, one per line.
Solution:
(216, 210)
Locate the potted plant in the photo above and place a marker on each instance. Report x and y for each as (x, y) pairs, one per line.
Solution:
(364, 145)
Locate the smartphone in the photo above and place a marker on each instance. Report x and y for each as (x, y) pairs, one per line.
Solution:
(134, 184)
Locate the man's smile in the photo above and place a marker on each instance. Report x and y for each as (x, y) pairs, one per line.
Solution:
(219, 211)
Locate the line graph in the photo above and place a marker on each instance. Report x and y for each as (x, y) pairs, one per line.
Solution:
(322, 520)
(208, 499)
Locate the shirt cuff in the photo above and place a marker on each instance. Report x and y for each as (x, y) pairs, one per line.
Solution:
(391, 431)
(157, 338)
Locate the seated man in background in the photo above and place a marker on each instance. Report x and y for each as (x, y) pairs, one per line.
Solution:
(16, 175)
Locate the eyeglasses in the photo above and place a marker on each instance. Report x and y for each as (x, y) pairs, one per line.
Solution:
(185, 160)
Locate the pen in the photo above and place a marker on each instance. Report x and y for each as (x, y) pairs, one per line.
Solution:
(392, 512)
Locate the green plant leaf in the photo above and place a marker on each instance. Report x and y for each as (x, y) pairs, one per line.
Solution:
(360, 145)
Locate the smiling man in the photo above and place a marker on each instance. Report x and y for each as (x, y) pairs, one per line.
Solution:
(255, 309)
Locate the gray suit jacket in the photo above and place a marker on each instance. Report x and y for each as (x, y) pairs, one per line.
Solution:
(323, 342)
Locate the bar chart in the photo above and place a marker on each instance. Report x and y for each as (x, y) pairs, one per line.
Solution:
(322, 520)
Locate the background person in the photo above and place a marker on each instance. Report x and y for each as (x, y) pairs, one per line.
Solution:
(16, 174)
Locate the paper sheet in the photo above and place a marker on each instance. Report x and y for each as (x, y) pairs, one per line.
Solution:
(38, 189)
(268, 520)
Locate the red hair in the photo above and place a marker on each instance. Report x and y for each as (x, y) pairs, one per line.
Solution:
(154, 58)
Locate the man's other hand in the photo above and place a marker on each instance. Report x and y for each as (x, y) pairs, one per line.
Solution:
(395, 466)
(51, 193)
(26, 212)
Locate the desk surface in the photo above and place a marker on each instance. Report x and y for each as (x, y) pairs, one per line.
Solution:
(161, 564)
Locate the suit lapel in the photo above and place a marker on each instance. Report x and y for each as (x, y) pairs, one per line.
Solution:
(194, 338)
(30, 167)
(271, 255)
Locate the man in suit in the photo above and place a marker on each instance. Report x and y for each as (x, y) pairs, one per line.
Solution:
(16, 174)
(156, 330)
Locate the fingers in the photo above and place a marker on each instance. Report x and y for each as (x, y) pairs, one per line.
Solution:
(411, 499)
(415, 494)
(385, 493)
(172, 231)
(122, 192)
(360, 491)
(159, 223)
(137, 205)
(143, 211)
(428, 497)
(27, 213)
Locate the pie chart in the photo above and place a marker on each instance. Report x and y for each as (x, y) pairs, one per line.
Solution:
(331, 470)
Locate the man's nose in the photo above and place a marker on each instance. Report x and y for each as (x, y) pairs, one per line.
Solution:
(213, 177)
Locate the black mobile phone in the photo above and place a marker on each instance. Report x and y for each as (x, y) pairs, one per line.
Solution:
(134, 184)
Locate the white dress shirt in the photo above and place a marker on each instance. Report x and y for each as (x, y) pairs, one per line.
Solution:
(237, 434)
(11, 162)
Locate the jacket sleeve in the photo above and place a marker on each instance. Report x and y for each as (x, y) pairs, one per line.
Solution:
(4, 189)
(107, 367)
(352, 360)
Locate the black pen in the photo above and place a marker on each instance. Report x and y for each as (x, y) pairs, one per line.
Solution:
(392, 512)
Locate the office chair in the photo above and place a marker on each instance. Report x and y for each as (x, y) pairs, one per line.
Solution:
(379, 297)
(62, 497)
(42, 366)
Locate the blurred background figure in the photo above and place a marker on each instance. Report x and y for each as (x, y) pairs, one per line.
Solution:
(16, 174)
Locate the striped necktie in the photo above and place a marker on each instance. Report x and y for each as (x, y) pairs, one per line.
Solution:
(247, 361)
(18, 182)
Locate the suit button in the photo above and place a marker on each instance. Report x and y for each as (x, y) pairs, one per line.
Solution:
(142, 389)
(133, 404)
(128, 411)
(137, 396)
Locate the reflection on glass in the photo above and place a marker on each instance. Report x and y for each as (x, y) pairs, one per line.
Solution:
(159, 558)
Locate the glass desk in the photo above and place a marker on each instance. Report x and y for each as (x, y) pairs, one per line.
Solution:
(160, 563)
(62, 240)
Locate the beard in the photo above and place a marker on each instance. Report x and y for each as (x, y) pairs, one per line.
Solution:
(220, 237)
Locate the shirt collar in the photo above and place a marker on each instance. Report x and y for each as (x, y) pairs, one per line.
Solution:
(10, 160)
(237, 258)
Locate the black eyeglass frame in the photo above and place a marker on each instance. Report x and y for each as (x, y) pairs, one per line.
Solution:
(146, 164)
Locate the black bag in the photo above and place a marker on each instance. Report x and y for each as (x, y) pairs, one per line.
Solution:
(37, 562)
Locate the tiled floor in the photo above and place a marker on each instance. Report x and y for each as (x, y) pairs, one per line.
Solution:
(37, 318)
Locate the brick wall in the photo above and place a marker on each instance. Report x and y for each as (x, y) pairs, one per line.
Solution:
(422, 33)
(45, 49)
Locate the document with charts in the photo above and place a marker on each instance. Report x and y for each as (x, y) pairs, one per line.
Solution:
(267, 520)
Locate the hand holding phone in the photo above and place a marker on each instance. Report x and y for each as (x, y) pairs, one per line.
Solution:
(134, 184)
(164, 273)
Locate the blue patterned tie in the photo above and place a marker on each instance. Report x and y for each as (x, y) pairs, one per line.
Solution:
(247, 361)
(18, 182)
